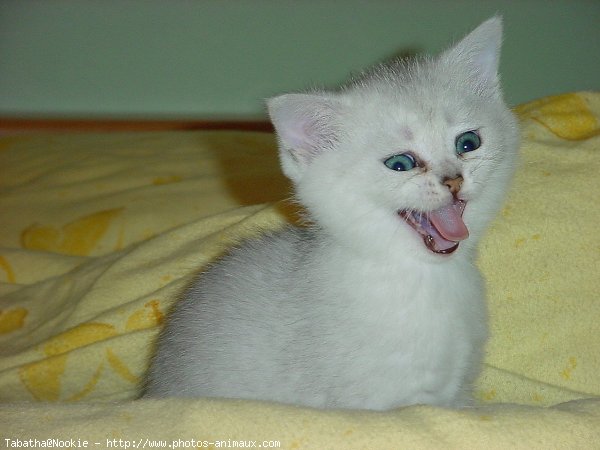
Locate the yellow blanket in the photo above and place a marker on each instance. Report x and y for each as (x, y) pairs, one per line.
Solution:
(99, 234)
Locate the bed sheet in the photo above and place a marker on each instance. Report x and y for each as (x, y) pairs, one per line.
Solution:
(100, 234)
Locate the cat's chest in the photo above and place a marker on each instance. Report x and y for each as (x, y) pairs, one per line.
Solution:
(405, 335)
(373, 288)
(396, 307)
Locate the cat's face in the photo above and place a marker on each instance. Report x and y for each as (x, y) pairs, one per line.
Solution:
(409, 160)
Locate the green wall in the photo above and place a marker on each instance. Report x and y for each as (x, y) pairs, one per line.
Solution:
(195, 59)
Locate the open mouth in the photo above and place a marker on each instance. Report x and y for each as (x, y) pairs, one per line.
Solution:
(441, 229)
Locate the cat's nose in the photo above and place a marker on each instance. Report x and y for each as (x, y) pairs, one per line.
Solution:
(454, 184)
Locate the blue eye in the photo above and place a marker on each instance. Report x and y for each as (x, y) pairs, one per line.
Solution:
(467, 142)
(401, 163)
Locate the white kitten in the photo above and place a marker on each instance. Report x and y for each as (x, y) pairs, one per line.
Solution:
(379, 304)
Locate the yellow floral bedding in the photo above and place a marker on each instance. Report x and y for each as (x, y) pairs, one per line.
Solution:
(99, 233)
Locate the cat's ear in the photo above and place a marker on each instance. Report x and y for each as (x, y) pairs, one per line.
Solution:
(306, 125)
(479, 52)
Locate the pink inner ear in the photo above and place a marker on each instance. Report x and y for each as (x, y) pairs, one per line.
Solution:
(305, 123)
(487, 61)
(296, 135)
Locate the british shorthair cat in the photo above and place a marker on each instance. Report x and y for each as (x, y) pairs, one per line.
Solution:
(378, 303)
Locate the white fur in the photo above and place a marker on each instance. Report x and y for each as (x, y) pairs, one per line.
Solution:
(355, 312)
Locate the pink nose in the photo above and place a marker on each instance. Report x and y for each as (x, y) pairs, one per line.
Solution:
(454, 184)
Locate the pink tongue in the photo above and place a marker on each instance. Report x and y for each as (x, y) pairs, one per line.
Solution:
(448, 221)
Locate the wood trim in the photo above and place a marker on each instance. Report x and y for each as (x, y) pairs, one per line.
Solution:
(94, 125)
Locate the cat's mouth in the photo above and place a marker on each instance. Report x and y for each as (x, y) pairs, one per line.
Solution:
(441, 229)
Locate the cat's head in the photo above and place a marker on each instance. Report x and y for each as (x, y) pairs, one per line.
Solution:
(411, 157)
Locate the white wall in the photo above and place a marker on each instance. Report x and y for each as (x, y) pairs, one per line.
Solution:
(166, 58)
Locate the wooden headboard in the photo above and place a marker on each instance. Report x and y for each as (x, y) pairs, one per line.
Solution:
(95, 125)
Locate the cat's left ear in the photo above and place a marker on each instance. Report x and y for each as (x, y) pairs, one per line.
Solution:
(479, 52)
(306, 125)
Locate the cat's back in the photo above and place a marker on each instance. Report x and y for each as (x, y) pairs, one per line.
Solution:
(256, 264)
(218, 317)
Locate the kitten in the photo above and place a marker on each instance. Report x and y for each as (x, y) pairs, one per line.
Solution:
(379, 303)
